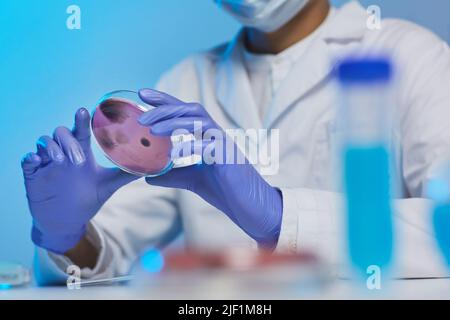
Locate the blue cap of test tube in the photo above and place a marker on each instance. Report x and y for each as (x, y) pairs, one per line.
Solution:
(364, 70)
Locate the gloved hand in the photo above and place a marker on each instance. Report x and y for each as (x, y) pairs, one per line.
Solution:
(65, 186)
(236, 189)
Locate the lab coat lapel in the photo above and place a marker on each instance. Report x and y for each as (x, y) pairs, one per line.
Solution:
(233, 89)
(316, 64)
(308, 71)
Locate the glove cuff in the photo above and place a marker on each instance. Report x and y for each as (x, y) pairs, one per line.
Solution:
(57, 243)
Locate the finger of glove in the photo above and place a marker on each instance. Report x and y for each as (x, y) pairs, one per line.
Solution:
(49, 151)
(70, 146)
(168, 112)
(157, 98)
(30, 163)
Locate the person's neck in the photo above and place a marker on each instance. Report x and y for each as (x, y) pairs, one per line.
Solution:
(300, 27)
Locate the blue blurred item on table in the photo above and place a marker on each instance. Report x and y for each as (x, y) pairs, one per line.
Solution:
(13, 275)
(364, 84)
(438, 189)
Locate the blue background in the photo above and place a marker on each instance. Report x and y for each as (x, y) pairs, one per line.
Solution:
(47, 71)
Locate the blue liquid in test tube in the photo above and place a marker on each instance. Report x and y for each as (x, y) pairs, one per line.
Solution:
(368, 206)
(441, 221)
(438, 189)
(366, 161)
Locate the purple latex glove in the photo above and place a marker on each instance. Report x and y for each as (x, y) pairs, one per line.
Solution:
(65, 186)
(235, 189)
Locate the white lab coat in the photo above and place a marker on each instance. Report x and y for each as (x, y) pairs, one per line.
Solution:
(304, 110)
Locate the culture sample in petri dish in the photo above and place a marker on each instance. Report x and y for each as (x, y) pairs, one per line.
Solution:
(124, 141)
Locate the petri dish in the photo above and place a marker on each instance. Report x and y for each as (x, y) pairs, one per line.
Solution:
(124, 141)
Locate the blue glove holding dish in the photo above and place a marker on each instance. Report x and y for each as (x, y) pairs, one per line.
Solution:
(235, 189)
(66, 187)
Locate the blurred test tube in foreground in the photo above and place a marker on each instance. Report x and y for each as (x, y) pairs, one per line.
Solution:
(438, 189)
(365, 106)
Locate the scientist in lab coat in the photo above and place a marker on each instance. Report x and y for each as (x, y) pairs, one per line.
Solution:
(276, 73)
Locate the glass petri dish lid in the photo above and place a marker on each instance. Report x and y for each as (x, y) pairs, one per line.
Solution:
(124, 141)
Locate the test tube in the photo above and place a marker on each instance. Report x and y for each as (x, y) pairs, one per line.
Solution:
(365, 108)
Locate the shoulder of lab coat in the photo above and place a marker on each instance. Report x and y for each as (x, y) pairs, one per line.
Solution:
(184, 79)
(422, 98)
(422, 101)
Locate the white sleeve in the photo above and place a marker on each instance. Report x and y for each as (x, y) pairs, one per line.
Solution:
(314, 221)
(137, 217)
(50, 268)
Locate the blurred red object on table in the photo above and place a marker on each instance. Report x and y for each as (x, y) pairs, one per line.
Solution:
(235, 259)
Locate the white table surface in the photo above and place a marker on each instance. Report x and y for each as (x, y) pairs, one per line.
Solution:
(338, 289)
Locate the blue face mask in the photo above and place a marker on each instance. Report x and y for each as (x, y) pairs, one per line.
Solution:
(264, 15)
